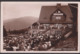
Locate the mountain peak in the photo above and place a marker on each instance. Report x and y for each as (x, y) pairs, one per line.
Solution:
(19, 23)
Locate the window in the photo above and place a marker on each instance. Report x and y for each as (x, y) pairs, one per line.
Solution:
(70, 25)
(41, 26)
(58, 18)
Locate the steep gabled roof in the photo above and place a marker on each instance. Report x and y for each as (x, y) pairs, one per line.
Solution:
(46, 12)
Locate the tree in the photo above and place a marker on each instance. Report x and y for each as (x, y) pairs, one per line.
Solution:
(4, 32)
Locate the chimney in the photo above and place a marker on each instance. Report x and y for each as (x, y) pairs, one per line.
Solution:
(58, 5)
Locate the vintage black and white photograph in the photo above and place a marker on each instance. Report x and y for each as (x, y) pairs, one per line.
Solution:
(40, 26)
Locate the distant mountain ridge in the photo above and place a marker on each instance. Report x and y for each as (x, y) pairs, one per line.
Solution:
(19, 23)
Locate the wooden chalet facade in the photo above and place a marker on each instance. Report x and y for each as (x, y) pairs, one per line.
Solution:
(54, 19)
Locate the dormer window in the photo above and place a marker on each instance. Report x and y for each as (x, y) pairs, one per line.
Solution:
(58, 15)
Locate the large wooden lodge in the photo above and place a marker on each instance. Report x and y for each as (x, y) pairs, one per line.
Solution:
(53, 19)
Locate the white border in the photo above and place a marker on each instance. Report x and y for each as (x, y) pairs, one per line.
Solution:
(42, 51)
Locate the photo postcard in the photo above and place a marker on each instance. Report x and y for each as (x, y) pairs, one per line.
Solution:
(42, 27)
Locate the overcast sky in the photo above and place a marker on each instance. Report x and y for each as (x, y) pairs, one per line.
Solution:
(12, 10)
